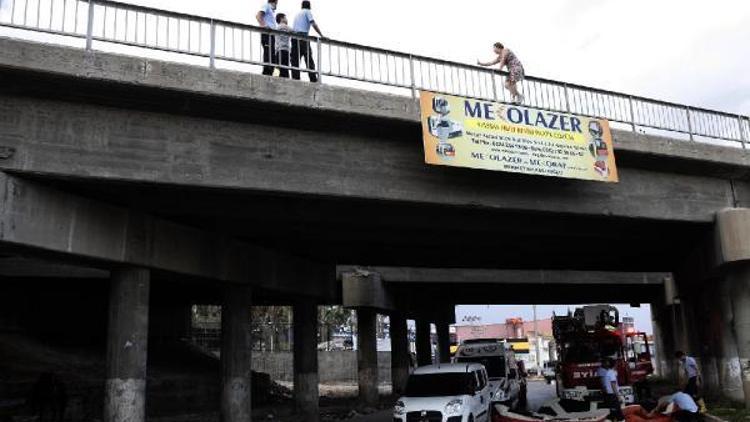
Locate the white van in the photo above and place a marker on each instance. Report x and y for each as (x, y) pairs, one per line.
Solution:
(500, 362)
(445, 393)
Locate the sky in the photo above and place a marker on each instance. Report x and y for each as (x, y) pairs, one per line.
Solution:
(688, 51)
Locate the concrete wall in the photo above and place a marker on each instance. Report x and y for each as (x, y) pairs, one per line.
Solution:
(335, 366)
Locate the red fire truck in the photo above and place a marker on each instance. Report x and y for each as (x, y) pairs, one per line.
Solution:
(590, 334)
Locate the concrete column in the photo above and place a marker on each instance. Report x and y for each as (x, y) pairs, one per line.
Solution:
(127, 346)
(236, 354)
(424, 343)
(367, 357)
(662, 316)
(444, 341)
(728, 360)
(306, 394)
(739, 277)
(400, 359)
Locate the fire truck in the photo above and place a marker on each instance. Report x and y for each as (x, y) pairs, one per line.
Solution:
(590, 334)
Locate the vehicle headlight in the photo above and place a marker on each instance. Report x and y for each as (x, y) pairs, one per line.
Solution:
(454, 407)
(399, 409)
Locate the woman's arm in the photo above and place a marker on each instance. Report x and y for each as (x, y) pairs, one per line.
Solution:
(497, 60)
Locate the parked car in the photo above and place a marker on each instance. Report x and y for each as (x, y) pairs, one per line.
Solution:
(456, 392)
(506, 381)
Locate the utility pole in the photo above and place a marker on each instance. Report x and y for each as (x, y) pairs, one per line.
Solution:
(537, 346)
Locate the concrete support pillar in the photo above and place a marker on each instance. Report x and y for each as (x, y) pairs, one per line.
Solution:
(306, 394)
(236, 354)
(739, 278)
(367, 357)
(728, 360)
(400, 359)
(127, 346)
(444, 341)
(424, 343)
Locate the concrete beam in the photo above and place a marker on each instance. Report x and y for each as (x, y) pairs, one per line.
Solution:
(108, 68)
(139, 147)
(396, 275)
(365, 289)
(732, 228)
(37, 217)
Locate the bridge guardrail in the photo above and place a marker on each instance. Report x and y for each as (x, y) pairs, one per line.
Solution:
(106, 22)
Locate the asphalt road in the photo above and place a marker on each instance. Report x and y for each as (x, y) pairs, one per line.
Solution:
(539, 393)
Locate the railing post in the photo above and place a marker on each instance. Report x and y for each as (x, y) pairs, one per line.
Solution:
(90, 26)
(632, 112)
(690, 123)
(412, 78)
(212, 54)
(742, 131)
(494, 84)
(567, 99)
(320, 59)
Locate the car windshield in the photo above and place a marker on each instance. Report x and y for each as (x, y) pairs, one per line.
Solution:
(495, 365)
(444, 384)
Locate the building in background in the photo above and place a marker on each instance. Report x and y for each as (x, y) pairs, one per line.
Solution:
(521, 334)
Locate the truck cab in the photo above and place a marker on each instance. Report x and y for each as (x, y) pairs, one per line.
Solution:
(587, 336)
(498, 358)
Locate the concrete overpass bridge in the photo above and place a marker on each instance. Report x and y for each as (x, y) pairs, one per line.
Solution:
(198, 184)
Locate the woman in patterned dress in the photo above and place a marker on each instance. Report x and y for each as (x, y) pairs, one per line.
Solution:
(505, 57)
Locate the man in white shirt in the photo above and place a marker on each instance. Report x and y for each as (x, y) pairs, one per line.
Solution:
(301, 47)
(686, 410)
(692, 374)
(610, 389)
(266, 18)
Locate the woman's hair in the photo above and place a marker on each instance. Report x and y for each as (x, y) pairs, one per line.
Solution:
(499, 45)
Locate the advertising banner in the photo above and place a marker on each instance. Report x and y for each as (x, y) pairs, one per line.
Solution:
(464, 132)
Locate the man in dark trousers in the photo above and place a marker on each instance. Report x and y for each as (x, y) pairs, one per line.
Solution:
(300, 47)
(692, 374)
(266, 18)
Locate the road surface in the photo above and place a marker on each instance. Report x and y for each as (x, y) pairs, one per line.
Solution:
(539, 393)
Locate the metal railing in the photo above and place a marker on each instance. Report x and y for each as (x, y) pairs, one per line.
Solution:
(102, 23)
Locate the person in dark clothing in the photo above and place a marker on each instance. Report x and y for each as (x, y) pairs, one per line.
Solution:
(301, 48)
(49, 398)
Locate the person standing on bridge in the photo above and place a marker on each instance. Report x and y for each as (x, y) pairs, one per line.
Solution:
(301, 47)
(507, 58)
(283, 45)
(266, 18)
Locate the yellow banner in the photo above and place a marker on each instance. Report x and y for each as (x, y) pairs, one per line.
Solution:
(463, 132)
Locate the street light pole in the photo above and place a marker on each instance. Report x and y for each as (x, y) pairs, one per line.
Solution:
(537, 347)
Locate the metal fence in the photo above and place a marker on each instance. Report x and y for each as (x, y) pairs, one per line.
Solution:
(102, 23)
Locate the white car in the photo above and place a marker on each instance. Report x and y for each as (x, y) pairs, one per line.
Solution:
(455, 392)
(502, 368)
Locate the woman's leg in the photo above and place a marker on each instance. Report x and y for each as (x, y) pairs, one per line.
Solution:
(511, 87)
